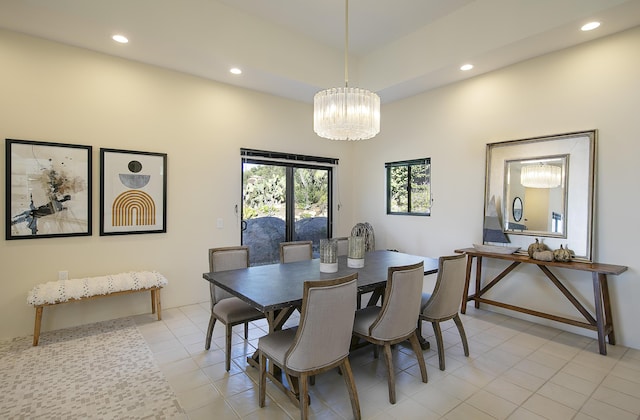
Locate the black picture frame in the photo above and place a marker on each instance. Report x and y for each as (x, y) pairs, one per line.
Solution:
(133, 192)
(48, 189)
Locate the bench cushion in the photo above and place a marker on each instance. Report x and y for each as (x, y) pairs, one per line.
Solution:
(63, 290)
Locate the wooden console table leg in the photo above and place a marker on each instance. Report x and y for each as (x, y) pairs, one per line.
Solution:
(467, 280)
(607, 307)
(600, 318)
(602, 307)
(36, 328)
(478, 278)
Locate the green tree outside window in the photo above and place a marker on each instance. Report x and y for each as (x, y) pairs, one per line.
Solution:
(409, 187)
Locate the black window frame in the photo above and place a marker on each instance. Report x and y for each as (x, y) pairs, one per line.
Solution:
(409, 164)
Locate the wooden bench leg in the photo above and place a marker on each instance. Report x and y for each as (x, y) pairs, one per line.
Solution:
(158, 306)
(155, 308)
(36, 328)
(153, 301)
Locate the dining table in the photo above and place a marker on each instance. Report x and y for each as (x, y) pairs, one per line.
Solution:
(276, 289)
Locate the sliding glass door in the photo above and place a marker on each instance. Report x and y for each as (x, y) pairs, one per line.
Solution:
(282, 202)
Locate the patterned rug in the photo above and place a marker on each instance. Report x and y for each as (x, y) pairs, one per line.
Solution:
(101, 370)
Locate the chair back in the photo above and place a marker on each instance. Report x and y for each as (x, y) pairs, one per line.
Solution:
(401, 303)
(326, 323)
(447, 293)
(296, 251)
(222, 259)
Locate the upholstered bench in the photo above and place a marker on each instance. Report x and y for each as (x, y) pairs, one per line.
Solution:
(73, 290)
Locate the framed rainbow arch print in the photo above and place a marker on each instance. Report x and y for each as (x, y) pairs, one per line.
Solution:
(133, 192)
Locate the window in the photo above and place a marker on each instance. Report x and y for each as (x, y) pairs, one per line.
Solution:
(409, 187)
(286, 197)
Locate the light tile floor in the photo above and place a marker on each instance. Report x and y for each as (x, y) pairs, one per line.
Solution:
(516, 370)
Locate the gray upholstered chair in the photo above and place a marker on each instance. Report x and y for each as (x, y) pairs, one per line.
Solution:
(320, 343)
(226, 308)
(444, 302)
(296, 251)
(395, 321)
(343, 245)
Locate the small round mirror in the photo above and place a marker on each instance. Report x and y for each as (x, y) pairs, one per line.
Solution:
(516, 209)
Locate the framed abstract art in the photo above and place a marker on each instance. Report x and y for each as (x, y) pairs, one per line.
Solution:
(133, 192)
(48, 189)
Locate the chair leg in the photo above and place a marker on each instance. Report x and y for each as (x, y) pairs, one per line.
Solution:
(391, 376)
(438, 333)
(424, 344)
(227, 357)
(207, 341)
(415, 343)
(463, 336)
(304, 396)
(246, 330)
(345, 369)
(262, 383)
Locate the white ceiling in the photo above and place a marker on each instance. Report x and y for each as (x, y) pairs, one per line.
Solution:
(294, 48)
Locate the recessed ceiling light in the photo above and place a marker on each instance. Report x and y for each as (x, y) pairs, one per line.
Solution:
(120, 38)
(235, 70)
(590, 26)
(466, 67)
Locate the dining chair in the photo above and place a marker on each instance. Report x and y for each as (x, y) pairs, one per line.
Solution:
(296, 251)
(395, 321)
(226, 308)
(319, 343)
(444, 302)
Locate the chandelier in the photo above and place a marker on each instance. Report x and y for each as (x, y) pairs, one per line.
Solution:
(541, 176)
(346, 113)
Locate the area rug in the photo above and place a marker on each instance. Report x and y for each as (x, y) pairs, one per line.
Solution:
(102, 370)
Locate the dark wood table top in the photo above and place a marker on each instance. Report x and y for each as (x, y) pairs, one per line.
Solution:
(572, 265)
(276, 286)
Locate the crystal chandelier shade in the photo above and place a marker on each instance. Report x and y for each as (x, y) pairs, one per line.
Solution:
(346, 113)
(541, 176)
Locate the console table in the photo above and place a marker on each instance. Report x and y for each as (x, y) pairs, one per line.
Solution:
(602, 323)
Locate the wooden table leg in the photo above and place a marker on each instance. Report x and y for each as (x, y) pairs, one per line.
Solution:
(376, 294)
(467, 280)
(607, 307)
(36, 328)
(478, 278)
(600, 318)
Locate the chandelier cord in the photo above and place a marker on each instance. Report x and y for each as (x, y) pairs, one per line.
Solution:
(346, 113)
(346, 43)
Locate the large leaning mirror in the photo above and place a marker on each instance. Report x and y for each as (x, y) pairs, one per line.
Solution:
(543, 187)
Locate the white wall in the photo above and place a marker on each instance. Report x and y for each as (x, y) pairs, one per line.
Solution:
(52, 92)
(593, 86)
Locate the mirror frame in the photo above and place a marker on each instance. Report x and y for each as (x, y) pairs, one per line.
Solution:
(580, 191)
